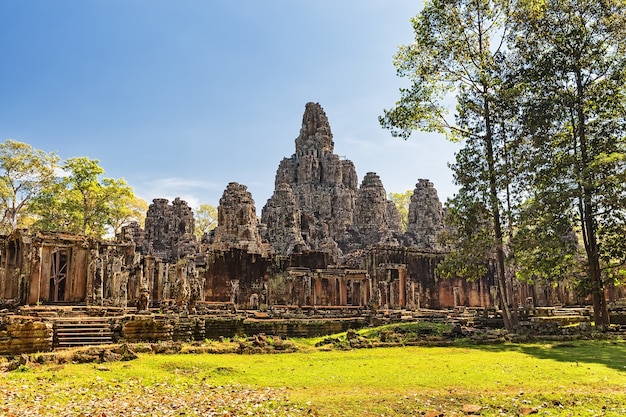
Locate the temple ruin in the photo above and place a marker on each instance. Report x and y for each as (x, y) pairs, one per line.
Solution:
(323, 240)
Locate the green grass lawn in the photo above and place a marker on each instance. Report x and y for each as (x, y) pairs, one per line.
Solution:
(583, 378)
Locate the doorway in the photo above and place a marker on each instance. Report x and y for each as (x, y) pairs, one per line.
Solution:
(58, 275)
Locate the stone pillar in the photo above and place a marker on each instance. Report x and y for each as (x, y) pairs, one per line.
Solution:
(402, 287)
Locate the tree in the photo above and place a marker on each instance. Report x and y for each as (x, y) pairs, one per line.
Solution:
(85, 196)
(402, 201)
(81, 202)
(470, 232)
(24, 173)
(545, 243)
(50, 211)
(572, 56)
(206, 219)
(124, 207)
(458, 50)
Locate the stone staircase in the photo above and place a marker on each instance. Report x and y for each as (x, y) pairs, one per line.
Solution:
(81, 331)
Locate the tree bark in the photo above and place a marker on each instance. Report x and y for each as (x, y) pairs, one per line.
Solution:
(510, 320)
(600, 307)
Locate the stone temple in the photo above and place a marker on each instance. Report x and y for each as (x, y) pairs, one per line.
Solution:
(325, 239)
(318, 204)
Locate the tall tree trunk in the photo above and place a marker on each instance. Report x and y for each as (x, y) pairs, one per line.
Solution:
(85, 214)
(600, 307)
(510, 321)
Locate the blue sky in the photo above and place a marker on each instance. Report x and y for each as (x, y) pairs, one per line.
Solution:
(182, 97)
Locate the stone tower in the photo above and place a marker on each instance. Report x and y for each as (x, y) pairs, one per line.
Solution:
(426, 217)
(317, 203)
(167, 228)
(237, 224)
(281, 216)
(323, 187)
(375, 218)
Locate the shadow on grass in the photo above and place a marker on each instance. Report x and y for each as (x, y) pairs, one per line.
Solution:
(610, 353)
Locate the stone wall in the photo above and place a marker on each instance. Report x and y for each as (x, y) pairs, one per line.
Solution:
(282, 215)
(407, 277)
(239, 277)
(24, 335)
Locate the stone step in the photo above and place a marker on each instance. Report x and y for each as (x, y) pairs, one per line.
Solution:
(81, 332)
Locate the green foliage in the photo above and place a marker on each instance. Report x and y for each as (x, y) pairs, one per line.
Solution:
(395, 334)
(402, 201)
(50, 211)
(125, 207)
(82, 202)
(410, 330)
(24, 172)
(545, 245)
(84, 196)
(205, 219)
(470, 235)
(452, 53)
(571, 64)
(22, 368)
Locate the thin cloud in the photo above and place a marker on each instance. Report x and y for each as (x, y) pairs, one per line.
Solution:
(193, 191)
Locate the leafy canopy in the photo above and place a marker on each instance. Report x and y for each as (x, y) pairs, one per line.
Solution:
(205, 219)
(83, 202)
(24, 172)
